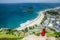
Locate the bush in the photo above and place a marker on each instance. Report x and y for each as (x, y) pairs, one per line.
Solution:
(44, 19)
(30, 28)
(26, 29)
(38, 34)
(52, 12)
(33, 32)
(22, 35)
(57, 34)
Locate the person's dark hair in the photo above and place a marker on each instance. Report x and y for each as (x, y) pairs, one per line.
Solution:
(43, 29)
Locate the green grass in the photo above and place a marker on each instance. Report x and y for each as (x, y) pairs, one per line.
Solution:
(23, 33)
(50, 34)
(9, 39)
(3, 35)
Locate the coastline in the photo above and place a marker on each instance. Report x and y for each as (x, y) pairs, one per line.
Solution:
(37, 21)
(52, 8)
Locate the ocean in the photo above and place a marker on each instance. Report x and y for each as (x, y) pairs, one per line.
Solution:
(14, 15)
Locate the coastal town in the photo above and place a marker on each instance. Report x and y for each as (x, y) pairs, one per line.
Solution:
(48, 19)
(53, 19)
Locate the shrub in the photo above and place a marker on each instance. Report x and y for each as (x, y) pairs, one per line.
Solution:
(30, 28)
(44, 19)
(52, 12)
(38, 34)
(57, 34)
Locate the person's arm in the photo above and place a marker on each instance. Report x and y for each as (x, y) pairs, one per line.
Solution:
(46, 31)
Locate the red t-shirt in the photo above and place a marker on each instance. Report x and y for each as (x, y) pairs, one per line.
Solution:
(43, 33)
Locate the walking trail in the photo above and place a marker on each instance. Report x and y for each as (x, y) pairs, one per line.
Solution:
(33, 37)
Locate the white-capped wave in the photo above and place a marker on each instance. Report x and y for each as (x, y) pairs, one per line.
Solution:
(30, 21)
(24, 24)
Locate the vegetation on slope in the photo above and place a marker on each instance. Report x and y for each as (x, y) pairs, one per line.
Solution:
(52, 12)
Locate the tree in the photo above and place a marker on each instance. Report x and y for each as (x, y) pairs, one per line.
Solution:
(52, 12)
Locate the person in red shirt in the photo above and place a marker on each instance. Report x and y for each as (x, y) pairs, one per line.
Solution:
(43, 33)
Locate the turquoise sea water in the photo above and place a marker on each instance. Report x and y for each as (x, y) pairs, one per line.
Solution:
(13, 15)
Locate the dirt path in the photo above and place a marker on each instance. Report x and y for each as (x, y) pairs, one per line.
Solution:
(33, 37)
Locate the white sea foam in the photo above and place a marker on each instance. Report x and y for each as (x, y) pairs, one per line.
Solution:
(31, 22)
(27, 22)
(23, 25)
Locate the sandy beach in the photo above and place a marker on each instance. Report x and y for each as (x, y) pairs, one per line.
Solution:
(37, 20)
(33, 22)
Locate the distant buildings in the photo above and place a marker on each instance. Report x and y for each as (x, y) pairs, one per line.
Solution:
(52, 21)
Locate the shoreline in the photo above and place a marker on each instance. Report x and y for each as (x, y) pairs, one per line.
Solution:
(37, 21)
